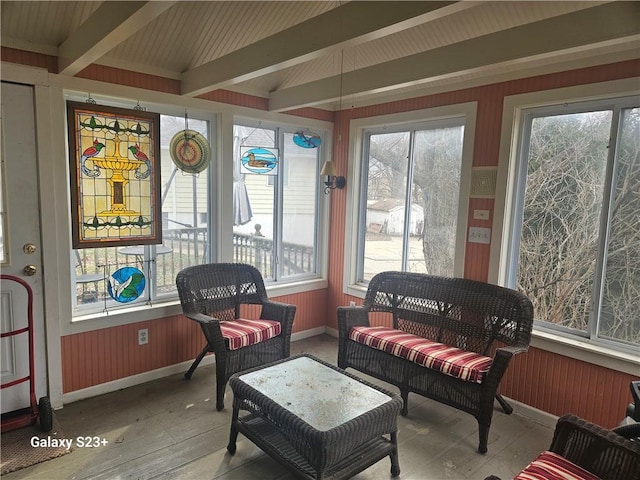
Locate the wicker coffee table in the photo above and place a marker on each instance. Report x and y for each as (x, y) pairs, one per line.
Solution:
(315, 419)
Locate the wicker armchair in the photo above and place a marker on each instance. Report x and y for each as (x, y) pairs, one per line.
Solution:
(213, 296)
(585, 450)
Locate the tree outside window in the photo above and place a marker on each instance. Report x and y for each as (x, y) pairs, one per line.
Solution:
(578, 255)
(411, 200)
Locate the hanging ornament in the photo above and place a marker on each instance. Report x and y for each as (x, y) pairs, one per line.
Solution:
(258, 160)
(311, 140)
(126, 284)
(190, 150)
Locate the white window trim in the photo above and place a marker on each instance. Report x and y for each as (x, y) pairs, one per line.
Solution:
(355, 164)
(288, 284)
(574, 347)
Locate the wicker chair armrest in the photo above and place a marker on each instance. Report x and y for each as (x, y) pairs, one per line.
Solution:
(511, 350)
(283, 313)
(277, 311)
(600, 451)
(202, 318)
(211, 330)
(630, 431)
(351, 317)
(501, 359)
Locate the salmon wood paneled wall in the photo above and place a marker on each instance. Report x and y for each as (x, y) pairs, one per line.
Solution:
(22, 57)
(558, 385)
(101, 356)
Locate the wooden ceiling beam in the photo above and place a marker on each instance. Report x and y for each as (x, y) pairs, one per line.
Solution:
(109, 25)
(615, 22)
(350, 24)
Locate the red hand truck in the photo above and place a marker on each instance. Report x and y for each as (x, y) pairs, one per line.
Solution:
(28, 415)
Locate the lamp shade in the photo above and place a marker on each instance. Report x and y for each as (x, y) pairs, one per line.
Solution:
(328, 169)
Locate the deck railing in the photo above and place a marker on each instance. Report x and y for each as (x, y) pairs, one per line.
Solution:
(187, 246)
(258, 251)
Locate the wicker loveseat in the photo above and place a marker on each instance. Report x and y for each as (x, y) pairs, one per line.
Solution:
(448, 339)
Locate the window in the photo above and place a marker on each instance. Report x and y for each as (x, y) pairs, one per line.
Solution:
(575, 248)
(276, 212)
(410, 198)
(185, 236)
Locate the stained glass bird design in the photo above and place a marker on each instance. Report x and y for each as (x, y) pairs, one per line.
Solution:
(259, 163)
(118, 288)
(307, 141)
(88, 153)
(140, 155)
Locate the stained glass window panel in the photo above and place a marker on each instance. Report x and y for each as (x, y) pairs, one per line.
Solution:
(115, 179)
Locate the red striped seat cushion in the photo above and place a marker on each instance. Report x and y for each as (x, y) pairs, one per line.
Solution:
(468, 366)
(551, 466)
(242, 332)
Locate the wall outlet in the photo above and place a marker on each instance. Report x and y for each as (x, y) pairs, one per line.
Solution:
(479, 235)
(352, 303)
(143, 336)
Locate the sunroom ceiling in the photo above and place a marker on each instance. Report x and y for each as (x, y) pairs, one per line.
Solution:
(325, 54)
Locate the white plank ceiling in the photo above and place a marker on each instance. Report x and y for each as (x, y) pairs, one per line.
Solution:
(328, 54)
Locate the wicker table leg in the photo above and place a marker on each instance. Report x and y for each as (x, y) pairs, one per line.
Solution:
(233, 434)
(395, 463)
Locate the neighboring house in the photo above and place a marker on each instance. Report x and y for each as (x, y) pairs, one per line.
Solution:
(387, 216)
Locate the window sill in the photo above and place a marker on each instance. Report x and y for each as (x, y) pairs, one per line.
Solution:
(586, 351)
(167, 308)
(356, 290)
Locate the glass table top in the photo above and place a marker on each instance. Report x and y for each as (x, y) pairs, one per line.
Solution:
(321, 396)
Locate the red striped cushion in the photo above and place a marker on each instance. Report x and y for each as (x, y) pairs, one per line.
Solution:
(468, 366)
(242, 332)
(551, 466)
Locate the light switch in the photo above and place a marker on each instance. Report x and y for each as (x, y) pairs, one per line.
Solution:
(479, 235)
(481, 214)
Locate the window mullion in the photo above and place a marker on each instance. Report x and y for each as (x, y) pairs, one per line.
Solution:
(278, 202)
(408, 202)
(518, 209)
(362, 214)
(608, 198)
(148, 268)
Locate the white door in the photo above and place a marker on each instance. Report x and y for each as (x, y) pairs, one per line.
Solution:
(20, 245)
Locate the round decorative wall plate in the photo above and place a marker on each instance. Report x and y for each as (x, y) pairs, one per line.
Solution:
(190, 151)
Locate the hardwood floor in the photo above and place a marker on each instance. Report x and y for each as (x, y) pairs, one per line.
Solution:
(169, 429)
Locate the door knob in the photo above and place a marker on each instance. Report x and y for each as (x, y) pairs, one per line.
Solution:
(30, 270)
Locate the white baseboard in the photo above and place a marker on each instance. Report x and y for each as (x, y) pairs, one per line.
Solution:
(331, 331)
(539, 416)
(133, 380)
(161, 373)
(312, 332)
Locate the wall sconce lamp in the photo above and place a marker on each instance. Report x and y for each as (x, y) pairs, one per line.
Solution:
(333, 180)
